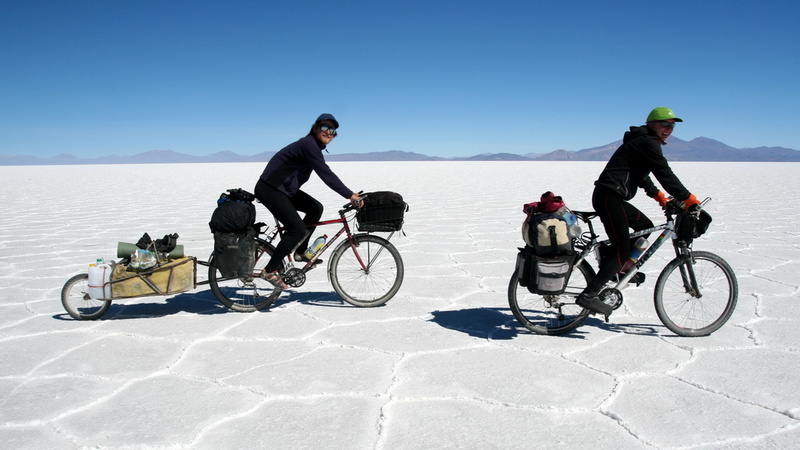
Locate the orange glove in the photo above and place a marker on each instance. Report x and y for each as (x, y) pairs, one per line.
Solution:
(662, 199)
(691, 201)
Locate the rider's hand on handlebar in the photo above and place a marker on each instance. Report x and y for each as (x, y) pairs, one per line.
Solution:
(690, 202)
(356, 201)
(662, 199)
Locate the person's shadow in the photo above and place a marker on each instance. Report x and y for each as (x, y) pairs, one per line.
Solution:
(488, 323)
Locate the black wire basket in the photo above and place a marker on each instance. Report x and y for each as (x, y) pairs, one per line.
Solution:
(385, 218)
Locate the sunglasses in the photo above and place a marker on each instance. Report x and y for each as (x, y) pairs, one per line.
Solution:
(327, 129)
(665, 124)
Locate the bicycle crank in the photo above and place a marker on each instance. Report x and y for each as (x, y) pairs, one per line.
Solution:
(294, 277)
(611, 297)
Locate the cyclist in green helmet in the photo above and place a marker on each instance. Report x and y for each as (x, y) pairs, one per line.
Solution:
(628, 170)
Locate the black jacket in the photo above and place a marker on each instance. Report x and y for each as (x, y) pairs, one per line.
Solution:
(291, 167)
(631, 165)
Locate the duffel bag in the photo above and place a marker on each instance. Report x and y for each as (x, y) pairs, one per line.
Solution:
(234, 213)
(547, 234)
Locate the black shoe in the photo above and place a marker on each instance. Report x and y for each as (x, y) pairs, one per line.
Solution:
(301, 257)
(594, 304)
(637, 279)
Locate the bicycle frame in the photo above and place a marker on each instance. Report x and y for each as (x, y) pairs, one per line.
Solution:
(279, 230)
(667, 232)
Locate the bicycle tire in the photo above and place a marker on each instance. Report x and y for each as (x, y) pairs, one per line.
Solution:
(686, 314)
(246, 294)
(374, 287)
(551, 314)
(76, 301)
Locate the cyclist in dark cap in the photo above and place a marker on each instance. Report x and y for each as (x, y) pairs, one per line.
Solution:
(628, 170)
(278, 189)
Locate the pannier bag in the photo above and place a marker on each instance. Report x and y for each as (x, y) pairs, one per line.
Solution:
(233, 226)
(552, 274)
(382, 211)
(526, 268)
(541, 275)
(689, 226)
(235, 253)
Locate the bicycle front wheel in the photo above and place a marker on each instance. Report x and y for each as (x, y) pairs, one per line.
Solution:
(367, 274)
(244, 294)
(696, 296)
(551, 314)
(75, 299)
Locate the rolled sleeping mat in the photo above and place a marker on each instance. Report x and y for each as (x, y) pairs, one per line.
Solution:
(125, 249)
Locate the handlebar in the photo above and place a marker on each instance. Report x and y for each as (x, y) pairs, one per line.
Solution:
(350, 206)
(676, 207)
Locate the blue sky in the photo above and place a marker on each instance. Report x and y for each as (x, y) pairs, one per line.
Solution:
(445, 78)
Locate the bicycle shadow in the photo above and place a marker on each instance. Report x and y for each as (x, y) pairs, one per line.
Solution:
(500, 324)
(203, 303)
(314, 298)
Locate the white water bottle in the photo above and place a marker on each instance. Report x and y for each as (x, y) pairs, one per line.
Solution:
(636, 252)
(638, 248)
(316, 246)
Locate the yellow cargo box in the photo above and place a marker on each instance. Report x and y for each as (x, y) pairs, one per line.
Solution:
(173, 277)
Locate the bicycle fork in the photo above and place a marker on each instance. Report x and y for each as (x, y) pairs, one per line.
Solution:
(688, 276)
(370, 259)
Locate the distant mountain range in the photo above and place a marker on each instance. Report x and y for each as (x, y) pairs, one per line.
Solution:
(699, 149)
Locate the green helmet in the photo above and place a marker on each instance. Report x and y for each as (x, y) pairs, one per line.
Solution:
(662, 113)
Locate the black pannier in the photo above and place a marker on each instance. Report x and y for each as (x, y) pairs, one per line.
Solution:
(235, 253)
(543, 275)
(689, 226)
(382, 211)
(232, 224)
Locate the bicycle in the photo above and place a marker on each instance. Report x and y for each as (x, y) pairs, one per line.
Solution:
(695, 293)
(365, 270)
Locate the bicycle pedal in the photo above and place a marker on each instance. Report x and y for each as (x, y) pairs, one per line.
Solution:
(637, 279)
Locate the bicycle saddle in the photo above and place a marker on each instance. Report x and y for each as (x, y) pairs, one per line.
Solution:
(585, 215)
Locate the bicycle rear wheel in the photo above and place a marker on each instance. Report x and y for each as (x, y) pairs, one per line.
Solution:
(371, 287)
(689, 312)
(551, 314)
(75, 299)
(245, 294)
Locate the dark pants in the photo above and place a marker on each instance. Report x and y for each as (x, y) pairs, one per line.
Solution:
(285, 209)
(617, 216)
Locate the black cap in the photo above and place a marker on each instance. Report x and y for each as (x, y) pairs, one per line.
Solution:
(328, 117)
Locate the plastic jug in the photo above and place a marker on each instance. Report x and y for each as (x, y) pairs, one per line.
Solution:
(99, 281)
